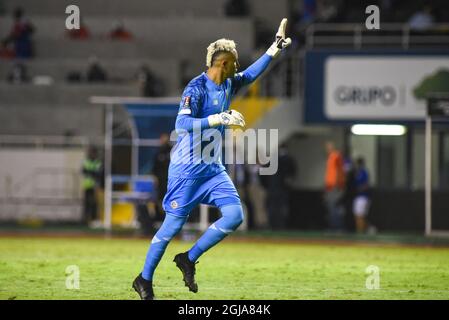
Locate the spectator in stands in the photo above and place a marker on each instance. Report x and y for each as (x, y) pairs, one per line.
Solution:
(20, 35)
(308, 12)
(422, 19)
(95, 72)
(160, 170)
(18, 74)
(119, 32)
(82, 33)
(334, 187)
(150, 85)
(92, 170)
(237, 8)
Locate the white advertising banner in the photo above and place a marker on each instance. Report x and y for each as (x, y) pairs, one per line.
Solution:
(41, 184)
(383, 88)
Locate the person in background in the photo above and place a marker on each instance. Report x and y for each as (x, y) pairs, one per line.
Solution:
(119, 32)
(95, 72)
(20, 35)
(422, 19)
(278, 189)
(142, 204)
(349, 191)
(334, 187)
(92, 170)
(308, 12)
(239, 173)
(257, 196)
(150, 84)
(362, 199)
(82, 33)
(160, 171)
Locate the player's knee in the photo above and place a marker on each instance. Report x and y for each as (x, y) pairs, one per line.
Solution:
(170, 228)
(171, 232)
(233, 215)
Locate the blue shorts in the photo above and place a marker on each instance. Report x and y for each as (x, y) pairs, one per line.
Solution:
(183, 195)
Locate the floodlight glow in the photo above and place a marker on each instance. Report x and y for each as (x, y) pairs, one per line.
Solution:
(378, 130)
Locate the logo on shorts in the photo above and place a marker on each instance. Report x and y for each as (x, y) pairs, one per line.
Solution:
(173, 204)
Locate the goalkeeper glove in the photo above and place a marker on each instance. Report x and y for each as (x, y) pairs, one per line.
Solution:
(281, 42)
(227, 118)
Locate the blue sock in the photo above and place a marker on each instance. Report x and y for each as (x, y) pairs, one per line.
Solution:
(170, 227)
(232, 217)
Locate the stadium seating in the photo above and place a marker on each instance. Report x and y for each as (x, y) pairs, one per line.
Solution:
(118, 71)
(60, 94)
(43, 120)
(269, 11)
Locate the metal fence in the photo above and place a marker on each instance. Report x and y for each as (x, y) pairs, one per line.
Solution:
(357, 36)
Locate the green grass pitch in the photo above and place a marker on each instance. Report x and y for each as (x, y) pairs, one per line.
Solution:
(35, 268)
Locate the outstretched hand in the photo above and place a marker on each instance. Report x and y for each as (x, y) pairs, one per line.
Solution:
(280, 41)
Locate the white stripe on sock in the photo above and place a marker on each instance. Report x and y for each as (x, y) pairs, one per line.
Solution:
(214, 227)
(155, 240)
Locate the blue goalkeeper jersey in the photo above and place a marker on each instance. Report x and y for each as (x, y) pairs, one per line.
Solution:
(197, 152)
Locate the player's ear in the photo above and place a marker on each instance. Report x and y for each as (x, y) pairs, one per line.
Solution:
(237, 64)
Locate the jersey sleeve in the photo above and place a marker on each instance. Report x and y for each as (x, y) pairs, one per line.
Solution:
(190, 102)
(249, 75)
(189, 115)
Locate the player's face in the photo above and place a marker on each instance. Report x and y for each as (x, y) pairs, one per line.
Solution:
(231, 65)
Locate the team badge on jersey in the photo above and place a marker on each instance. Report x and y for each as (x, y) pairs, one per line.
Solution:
(174, 204)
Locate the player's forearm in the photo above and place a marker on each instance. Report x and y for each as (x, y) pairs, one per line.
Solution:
(257, 68)
(188, 123)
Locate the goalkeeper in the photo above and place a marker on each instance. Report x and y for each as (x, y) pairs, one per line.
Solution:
(204, 105)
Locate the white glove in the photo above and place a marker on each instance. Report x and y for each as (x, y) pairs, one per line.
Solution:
(281, 42)
(227, 118)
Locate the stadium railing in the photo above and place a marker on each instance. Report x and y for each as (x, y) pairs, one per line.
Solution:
(357, 36)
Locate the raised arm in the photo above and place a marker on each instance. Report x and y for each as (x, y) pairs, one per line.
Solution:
(260, 65)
